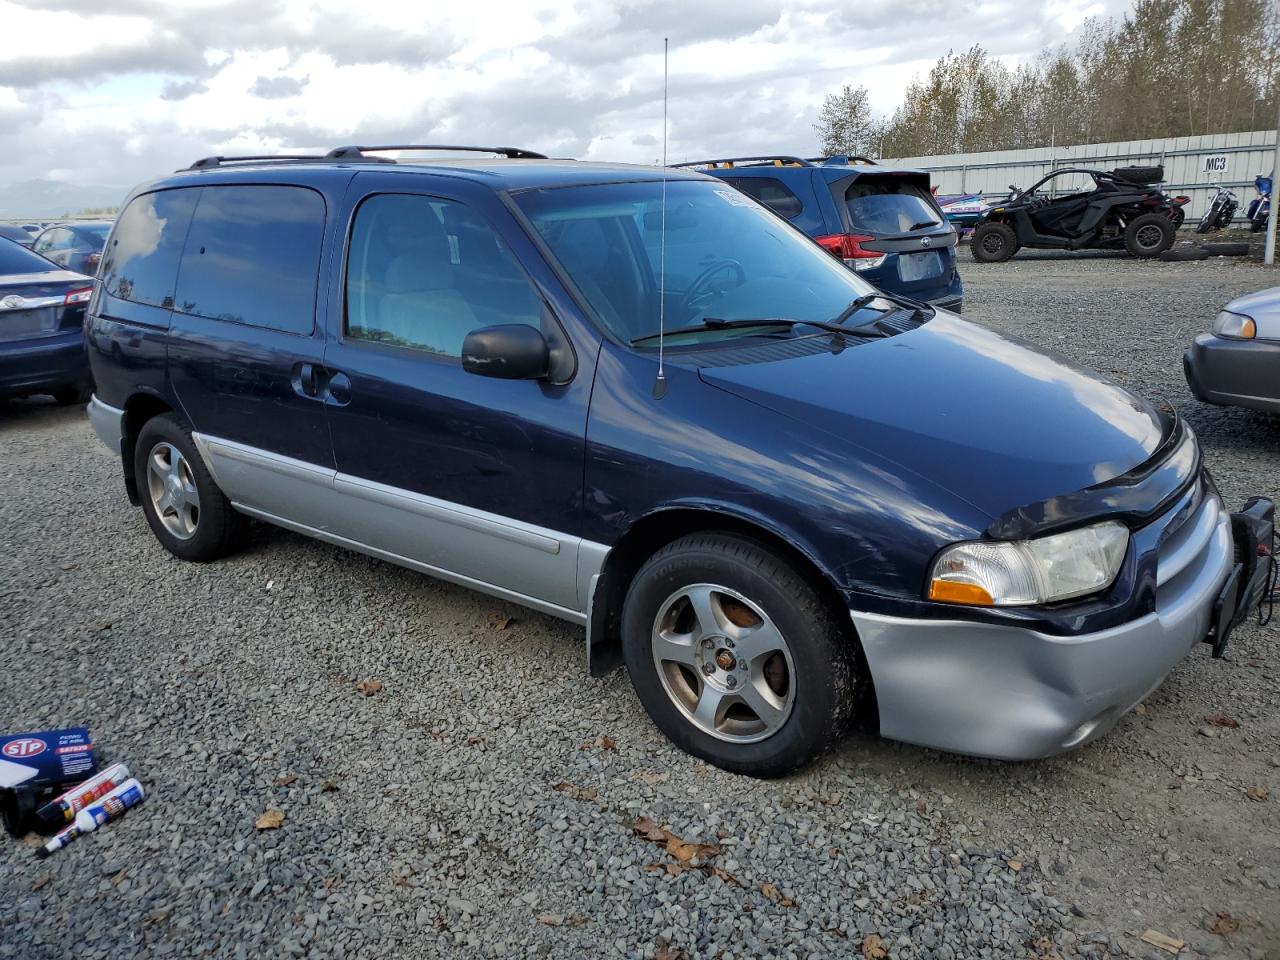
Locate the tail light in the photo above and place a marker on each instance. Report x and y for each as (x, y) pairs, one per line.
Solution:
(848, 247)
(78, 295)
(1182, 201)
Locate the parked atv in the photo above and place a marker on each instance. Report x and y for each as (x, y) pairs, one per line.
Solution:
(1123, 210)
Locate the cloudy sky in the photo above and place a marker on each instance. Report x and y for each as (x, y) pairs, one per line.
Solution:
(106, 93)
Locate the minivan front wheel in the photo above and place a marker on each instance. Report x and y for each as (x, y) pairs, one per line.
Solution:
(187, 512)
(736, 657)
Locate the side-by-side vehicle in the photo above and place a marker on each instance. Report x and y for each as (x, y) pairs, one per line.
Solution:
(636, 400)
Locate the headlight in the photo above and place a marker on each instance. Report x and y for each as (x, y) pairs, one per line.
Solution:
(1234, 326)
(996, 573)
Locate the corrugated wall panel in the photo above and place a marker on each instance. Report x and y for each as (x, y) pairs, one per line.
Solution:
(1248, 155)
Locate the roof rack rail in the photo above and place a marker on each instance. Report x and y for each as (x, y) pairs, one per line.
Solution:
(205, 162)
(776, 160)
(844, 159)
(358, 152)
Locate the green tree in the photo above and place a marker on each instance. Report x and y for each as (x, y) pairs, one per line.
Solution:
(846, 124)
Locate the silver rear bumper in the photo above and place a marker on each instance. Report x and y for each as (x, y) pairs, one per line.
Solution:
(1017, 694)
(107, 422)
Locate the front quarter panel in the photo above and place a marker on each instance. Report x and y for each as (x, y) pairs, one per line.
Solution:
(870, 527)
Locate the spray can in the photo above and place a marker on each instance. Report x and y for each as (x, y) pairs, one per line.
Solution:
(110, 807)
(63, 809)
(58, 841)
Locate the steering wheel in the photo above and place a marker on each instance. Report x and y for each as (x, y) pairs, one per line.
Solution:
(695, 291)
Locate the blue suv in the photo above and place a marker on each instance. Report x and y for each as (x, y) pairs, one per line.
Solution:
(881, 221)
(636, 400)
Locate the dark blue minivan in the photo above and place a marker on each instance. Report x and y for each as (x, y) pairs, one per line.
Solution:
(881, 221)
(636, 400)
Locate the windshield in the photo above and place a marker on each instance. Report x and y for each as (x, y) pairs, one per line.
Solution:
(889, 205)
(727, 257)
(17, 259)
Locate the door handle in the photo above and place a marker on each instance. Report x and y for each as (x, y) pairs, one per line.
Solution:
(306, 380)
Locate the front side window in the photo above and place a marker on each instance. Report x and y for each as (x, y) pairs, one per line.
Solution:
(889, 205)
(140, 262)
(422, 273)
(727, 258)
(253, 255)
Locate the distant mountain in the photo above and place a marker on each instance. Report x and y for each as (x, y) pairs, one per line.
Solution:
(53, 198)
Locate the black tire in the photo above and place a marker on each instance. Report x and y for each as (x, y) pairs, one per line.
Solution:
(1257, 224)
(1149, 235)
(67, 396)
(1184, 252)
(217, 527)
(1209, 221)
(1178, 218)
(993, 243)
(1225, 248)
(823, 683)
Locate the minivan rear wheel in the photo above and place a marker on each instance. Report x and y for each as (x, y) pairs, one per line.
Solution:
(736, 657)
(187, 512)
(993, 243)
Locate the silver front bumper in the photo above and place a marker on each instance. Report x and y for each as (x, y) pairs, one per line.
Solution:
(107, 422)
(1017, 694)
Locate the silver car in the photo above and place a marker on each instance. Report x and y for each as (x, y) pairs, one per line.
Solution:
(1238, 363)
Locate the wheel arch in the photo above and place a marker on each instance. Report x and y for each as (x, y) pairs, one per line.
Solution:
(138, 409)
(655, 530)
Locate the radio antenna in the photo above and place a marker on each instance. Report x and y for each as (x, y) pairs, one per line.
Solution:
(660, 385)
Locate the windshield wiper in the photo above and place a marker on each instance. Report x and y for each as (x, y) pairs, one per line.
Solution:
(866, 299)
(717, 323)
(921, 226)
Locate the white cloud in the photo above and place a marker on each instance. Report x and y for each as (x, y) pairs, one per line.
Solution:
(111, 92)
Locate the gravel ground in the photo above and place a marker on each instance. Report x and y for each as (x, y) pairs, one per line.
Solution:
(482, 802)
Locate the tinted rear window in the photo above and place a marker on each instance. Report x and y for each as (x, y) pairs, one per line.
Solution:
(252, 256)
(889, 205)
(141, 261)
(17, 259)
(770, 191)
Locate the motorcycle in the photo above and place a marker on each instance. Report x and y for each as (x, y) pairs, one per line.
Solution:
(1222, 208)
(1260, 209)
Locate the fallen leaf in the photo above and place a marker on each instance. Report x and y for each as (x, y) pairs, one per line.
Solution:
(500, 622)
(578, 793)
(682, 850)
(606, 742)
(725, 875)
(1256, 793)
(286, 780)
(770, 891)
(873, 948)
(1014, 865)
(270, 820)
(551, 919)
(41, 881)
(368, 687)
(328, 787)
(785, 902)
(1223, 924)
(652, 777)
(1140, 709)
(1163, 941)
(99, 627)
(670, 953)
(475, 739)
(1222, 720)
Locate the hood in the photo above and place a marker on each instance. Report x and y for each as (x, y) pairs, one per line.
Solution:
(992, 420)
(1264, 307)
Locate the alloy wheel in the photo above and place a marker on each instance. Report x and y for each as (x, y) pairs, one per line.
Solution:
(723, 663)
(172, 489)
